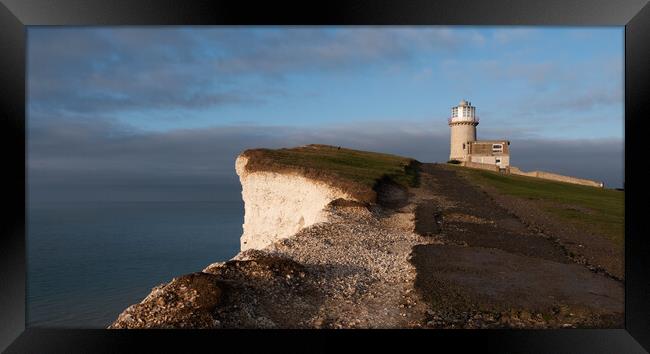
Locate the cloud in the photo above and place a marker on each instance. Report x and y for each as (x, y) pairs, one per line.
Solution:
(545, 96)
(107, 153)
(534, 73)
(514, 34)
(578, 102)
(599, 159)
(105, 70)
(102, 71)
(80, 81)
(307, 49)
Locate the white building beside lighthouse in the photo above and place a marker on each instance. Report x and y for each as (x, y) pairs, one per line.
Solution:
(466, 148)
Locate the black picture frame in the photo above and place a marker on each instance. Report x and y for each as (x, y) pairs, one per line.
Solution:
(15, 15)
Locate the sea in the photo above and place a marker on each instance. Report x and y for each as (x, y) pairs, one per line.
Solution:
(87, 261)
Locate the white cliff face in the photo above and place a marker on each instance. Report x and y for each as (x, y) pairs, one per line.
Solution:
(278, 205)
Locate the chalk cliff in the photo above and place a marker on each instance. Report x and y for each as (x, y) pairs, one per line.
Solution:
(279, 204)
(313, 193)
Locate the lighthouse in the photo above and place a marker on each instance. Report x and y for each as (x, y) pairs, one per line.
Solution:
(465, 148)
(463, 122)
(491, 155)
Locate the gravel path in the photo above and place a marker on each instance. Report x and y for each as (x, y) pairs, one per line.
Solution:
(363, 261)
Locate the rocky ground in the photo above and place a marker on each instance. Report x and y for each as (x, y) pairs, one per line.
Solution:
(443, 255)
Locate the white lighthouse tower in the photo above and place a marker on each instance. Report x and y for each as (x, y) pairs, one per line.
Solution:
(463, 122)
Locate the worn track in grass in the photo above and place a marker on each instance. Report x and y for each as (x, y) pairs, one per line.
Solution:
(495, 271)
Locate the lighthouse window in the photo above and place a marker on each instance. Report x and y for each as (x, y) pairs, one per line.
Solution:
(497, 147)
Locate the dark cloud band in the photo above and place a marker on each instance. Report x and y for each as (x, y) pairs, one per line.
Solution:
(85, 153)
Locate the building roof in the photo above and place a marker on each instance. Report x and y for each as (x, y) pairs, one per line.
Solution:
(489, 141)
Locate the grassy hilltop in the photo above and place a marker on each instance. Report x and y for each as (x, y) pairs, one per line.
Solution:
(360, 172)
(356, 171)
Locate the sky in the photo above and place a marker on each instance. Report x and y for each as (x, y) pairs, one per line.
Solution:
(140, 112)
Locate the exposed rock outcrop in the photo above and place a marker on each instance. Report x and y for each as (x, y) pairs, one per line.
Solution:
(185, 302)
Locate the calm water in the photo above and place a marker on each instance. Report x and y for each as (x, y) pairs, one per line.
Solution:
(87, 261)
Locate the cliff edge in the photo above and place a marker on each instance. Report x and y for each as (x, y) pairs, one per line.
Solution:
(340, 238)
(301, 193)
(287, 190)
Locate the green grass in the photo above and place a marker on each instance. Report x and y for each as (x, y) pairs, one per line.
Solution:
(339, 165)
(598, 210)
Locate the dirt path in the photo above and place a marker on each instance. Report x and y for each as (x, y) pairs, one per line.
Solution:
(494, 271)
(595, 251)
